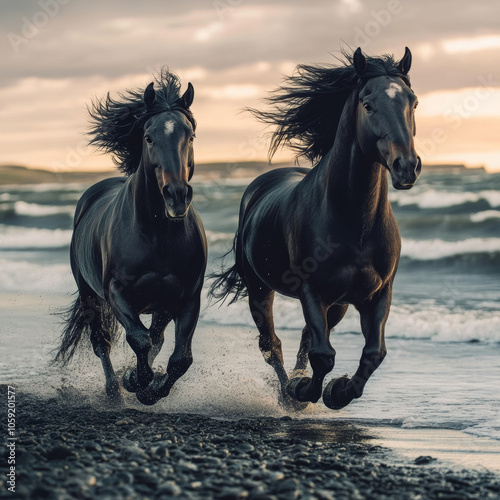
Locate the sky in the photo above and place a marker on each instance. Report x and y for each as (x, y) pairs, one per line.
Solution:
(58, 55)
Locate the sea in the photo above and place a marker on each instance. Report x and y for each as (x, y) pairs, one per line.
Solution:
(442, 370)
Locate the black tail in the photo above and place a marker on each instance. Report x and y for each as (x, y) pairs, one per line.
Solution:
(97, 318)
(228, 281)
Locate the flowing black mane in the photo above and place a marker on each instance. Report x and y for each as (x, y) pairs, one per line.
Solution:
(306, 109)
(117, 122)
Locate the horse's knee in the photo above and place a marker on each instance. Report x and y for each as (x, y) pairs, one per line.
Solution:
(139, 340)
(372, 359)
(179, 366)
(322, 361)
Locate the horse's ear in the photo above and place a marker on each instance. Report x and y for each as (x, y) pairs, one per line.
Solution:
(188, 96)
(359, 62)
(149, 95)
(405, 64)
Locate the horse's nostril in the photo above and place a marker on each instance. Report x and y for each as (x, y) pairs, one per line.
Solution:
(418, 168)
(167, 195)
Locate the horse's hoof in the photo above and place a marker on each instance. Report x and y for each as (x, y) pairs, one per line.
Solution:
(155, 391)
(290, 404)
(114, 394)
(334, 394)
(147, 397)
(129, 381)
(294, 385)
(288, 399)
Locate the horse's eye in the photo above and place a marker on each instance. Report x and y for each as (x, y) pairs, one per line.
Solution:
(368, 107)
(148, 139)
(192, 137)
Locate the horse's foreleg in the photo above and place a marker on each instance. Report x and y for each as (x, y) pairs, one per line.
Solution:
(334, 315)
(321, 353)
(159, 322)
(137, 334)
(340, 392)
(182, 357)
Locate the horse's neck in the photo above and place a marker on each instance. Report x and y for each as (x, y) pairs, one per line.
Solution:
(148, 202)
(356, 185)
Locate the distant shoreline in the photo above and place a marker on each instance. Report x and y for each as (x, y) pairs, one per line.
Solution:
(16, 174)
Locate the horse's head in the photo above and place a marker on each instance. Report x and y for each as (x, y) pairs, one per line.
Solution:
(168, 150)
(386, 121)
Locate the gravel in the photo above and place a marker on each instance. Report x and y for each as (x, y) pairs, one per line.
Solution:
(72, 450)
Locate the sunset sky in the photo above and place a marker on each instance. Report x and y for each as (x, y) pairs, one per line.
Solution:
(59, 54)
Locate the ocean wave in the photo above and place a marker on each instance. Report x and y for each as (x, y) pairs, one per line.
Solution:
(20, 238)
(485, 215)
(437, 323)
(421, 250)
(440, 249)
(434, 198)
(36, 210)
(24, 276)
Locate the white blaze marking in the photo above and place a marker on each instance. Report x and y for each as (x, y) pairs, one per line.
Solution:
(169, 127)
(393, 89)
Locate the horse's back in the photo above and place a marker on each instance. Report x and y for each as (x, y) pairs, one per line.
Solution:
(101, 192)
(268, 183)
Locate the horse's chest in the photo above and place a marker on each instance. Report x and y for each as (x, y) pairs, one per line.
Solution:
(153, 291)
(356, 277)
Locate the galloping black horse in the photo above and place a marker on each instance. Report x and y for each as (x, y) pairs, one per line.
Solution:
(327, 235)
(138, 244)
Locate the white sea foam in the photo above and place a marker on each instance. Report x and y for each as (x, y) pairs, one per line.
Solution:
(14, 237)
(36, 210)
(433, 198)
(23, 276)
(485, 215)
(419, 249)
(438, 249)
(436, 323)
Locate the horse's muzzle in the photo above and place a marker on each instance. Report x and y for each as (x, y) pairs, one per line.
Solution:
(177, 199)
(405, 171)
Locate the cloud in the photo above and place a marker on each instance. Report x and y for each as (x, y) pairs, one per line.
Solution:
(233, 51)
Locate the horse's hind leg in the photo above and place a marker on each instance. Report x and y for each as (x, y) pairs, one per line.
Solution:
(158, 324)
(100, 337)
(260, 301)
(101, 347)
(302, 359)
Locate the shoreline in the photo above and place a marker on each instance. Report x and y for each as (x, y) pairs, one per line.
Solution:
(70, 448)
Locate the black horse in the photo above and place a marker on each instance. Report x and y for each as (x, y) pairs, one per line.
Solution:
(327, 235)
(138, 244)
